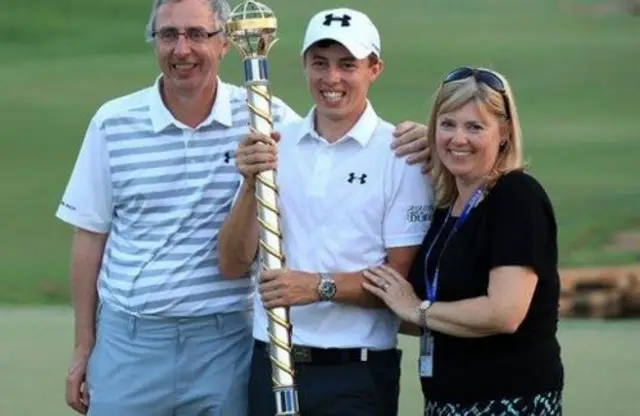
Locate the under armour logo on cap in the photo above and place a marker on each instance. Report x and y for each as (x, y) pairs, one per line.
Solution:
(351, 28)
(345, 20)
(362, 178)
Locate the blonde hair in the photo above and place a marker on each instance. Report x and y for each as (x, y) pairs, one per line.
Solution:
(454, 95)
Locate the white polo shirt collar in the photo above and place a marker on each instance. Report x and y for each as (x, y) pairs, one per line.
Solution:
(161, 117)
(361, 132)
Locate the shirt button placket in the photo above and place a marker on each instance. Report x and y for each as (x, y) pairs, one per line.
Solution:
(190, 136)
(320, 179)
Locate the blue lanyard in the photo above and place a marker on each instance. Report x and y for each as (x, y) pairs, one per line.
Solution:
(432, 289)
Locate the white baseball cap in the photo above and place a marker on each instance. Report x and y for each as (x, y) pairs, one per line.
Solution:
(353, 29)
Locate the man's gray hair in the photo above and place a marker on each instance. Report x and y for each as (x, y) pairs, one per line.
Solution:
(220, 9)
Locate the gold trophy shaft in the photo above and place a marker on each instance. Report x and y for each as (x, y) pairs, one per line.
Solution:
(252, 28)
(272, 255)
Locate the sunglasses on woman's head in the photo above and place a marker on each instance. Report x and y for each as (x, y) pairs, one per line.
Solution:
(488, 78)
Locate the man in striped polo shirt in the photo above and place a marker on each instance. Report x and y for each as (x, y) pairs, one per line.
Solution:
(157, 330)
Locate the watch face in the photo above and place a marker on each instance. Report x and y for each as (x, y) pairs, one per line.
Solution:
(327, 289)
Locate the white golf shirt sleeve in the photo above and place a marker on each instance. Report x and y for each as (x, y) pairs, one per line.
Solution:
(87, 199)
(410, 205)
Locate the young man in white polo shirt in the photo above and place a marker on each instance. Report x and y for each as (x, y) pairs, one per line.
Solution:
(347, 203)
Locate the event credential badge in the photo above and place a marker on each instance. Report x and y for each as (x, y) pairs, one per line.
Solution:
(426, 355)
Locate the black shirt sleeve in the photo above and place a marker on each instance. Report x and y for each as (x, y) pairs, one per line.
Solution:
(523, 227)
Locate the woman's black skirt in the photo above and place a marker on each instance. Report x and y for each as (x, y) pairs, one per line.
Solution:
(545, 404)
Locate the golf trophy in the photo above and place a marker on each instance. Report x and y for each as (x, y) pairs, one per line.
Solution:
(252, 28)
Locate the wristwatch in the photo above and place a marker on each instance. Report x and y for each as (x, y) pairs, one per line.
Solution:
(326, 287)
(422, 313)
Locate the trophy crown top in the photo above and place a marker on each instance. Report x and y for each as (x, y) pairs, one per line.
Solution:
(250, 10)
(252, 28)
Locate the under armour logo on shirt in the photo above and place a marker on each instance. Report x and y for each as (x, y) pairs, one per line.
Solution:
(227, 156)
(362, 178)
(344, 20)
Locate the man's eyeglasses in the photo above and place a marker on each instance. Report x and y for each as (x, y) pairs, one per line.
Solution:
(194, 34)
(481, 75)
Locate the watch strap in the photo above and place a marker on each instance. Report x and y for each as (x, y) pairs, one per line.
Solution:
(422, 314)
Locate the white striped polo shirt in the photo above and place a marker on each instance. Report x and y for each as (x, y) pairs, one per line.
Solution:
(161, 190)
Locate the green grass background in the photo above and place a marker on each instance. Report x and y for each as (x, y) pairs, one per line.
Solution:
(576, 84)
(600, 360)
(575, 79)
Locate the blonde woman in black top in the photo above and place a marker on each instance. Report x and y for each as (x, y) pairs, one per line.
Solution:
(483, 290)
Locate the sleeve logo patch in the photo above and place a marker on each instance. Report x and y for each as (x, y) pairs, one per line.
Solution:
(419, 213)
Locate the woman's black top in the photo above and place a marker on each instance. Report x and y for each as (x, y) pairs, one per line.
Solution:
(514, 225)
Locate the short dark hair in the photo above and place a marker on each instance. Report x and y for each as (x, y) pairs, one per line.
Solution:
(325, 43)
